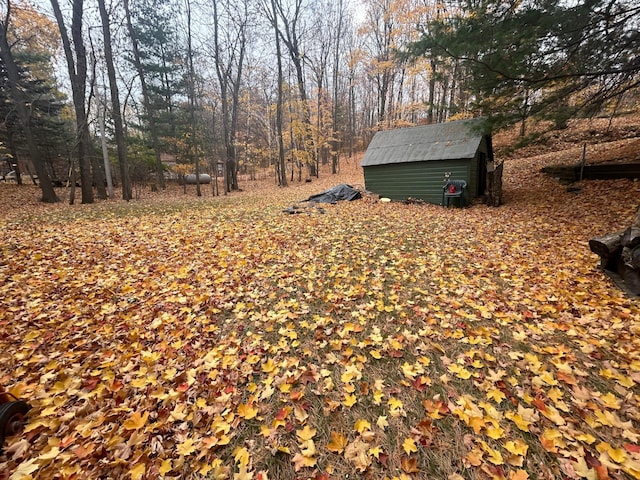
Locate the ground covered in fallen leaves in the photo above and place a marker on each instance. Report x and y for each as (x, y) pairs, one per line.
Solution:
(214, 338)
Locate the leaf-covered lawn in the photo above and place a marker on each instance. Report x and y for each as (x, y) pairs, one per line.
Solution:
(220, 338)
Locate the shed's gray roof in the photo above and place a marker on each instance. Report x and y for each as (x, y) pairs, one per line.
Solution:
(442, 141)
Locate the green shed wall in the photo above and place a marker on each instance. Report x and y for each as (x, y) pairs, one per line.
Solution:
(424, 180)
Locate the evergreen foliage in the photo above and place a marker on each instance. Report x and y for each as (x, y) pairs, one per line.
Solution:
(544, 58)
(49, 114)
(162, 58)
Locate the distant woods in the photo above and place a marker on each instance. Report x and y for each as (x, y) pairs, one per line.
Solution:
(98, 92)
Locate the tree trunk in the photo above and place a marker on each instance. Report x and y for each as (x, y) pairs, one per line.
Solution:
(13, 79)
(335, 141)
(289, 36)
(115, 102)
(281, 163)
(230, 82)
(192, 102)
(105, 153)
(77, 68)
(494, 185)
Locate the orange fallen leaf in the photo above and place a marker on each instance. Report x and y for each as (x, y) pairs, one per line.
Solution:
(409, 465)
(338, 442)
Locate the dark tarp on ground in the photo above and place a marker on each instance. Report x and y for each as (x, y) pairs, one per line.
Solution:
(335, 194)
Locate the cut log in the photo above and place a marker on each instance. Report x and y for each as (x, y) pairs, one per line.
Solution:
(631, 277)
(635, 257)
(609, 248)
(606, 245)
(631, 237)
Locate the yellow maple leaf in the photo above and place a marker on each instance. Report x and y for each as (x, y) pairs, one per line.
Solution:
(494, 456)
(269, 366)
(396, 405)
(586, 438)
(308, 448)
(243, 473)
(554, 415)
(375, 354)
(350, 400)
(307, 433)
(375, 452)
(459, 371)
(165, 467)
(477, 423)
(523, 419)
(477, 364)
(611, 401)
(618, 455)
(494, 376)
(138, 471)
(382, 422)
(517, 447)
(216, 468)
(495, 432)
(551, 439)
(25, 469)
(582, 469)
(285, 387)
(496, 395)
(241, 456)
(409, 370)
(548, 378)
(50, 455)
(136, 421)
(361, 425)
(338, 442)
(186, 448)
(247, 411)
(409, 445)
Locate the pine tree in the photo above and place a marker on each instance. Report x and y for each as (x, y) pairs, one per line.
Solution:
(545, 58)
(162, 61)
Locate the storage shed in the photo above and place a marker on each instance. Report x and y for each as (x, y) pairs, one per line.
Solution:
(414, 162)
